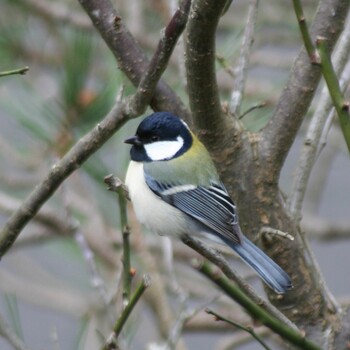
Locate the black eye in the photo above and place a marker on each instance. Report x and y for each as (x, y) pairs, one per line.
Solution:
(155, 138)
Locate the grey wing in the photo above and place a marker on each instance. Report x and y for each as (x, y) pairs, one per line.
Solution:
(211, 206)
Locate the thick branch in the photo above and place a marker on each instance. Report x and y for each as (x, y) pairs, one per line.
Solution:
(200, 67)
(221, 134)
(279, 133)
(131, 59)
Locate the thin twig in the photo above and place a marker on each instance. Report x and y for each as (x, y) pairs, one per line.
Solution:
(7, 333)
(116, 185)
(88, 254)
(243, 61)
(249, 330)
(323, 230)
(294, 337)
(47, 216)
(112, 341)
(259, 105)
(185, 314)
(157, 297)
(341, 106)
(223, 62)
(20, 71)
(325, 132)
(127, 270)
(179, 50)
(273, 231)
(312, 143)
(242, 338)
(304, 29)
(279, 133)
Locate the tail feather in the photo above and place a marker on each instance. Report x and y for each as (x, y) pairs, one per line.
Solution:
(268, 270)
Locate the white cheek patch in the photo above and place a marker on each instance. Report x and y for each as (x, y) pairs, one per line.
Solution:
(162, 150)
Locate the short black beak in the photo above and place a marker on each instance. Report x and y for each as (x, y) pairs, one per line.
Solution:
(134, 140)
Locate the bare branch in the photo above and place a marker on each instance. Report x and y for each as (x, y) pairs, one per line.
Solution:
(323, 230)
(304, 29)
(157, 295)
(249, 330)
(7, 333)
(112, 341)
(243, 60)
(200, 67)
(340, 104)
(20, 71)
(279, 133)
(310, 150)
(242, 338)
(257, 106)
(116, 185)
(131, 59)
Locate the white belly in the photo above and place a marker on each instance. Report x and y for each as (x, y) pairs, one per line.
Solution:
(153, 212)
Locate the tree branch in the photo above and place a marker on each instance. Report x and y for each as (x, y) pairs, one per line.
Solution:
(249, 330)
(20, 71)
(131, 59)
(116, 185)
(341, 106)
(312, 141)
(243, 60)
(200, 66)
(112, 342)
(279, 133)
(304, 30)
(7, 333)
(323, 230)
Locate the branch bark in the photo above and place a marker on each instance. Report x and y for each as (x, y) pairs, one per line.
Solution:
(131, 59)
(222, 135)
(200, 67)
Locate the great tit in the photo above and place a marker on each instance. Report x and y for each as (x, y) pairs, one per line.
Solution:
(175, 189)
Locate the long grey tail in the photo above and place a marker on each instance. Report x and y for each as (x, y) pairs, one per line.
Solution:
(268, 270)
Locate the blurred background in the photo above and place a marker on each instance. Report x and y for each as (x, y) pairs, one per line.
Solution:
(60, 283)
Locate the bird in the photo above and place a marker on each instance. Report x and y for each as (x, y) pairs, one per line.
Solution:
(175, 189)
